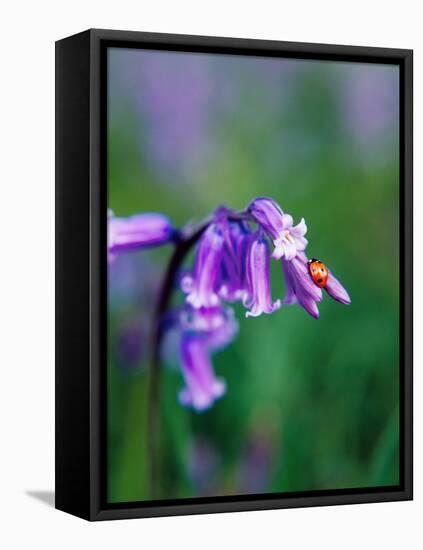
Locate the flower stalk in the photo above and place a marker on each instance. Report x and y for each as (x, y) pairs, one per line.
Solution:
(182, 247)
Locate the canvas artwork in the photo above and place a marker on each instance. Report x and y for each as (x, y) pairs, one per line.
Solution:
(253, 341)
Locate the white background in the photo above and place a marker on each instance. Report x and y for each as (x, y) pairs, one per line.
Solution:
(27, 37)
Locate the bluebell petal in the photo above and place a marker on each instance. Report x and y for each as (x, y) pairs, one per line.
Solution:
(137, 232)
(336, 290)
(300, 229)
(268, 214)
(207, 269)
(259, 298)
(304, 280)
(300, 287)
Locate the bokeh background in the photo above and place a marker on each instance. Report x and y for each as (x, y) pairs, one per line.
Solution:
(310, 404)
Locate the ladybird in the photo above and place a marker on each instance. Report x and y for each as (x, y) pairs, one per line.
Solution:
(319, 272)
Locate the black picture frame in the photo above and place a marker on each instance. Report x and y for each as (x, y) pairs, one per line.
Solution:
(81, 272)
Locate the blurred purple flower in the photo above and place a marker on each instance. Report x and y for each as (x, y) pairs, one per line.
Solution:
(371, 105)
(258, 299)
(256, 466)
(287, 238)
(217, 323)
(130, 345)
(135, 232)
(204, 331)
(202, 387)
(202, 465)
(174, 91)
(124, 280)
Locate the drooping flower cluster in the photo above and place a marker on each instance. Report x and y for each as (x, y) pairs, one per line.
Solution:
(232, 264)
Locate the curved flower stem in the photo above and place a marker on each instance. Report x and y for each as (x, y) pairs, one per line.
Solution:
(184, 242)
(182, 247)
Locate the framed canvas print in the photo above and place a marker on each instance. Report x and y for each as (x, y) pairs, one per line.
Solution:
(233, 274)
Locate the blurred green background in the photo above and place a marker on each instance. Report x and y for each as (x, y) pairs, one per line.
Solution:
(309, 404)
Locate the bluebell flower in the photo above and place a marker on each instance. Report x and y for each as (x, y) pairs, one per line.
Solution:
(258, 298)
(233, 273)
(201, 287)
(287, 237)
(136, 232)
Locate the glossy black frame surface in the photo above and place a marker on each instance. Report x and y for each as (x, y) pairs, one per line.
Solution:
(81, 273)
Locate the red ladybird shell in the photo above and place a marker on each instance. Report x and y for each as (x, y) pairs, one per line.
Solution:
(319, 272)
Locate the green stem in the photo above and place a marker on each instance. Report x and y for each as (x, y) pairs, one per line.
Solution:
(183, 246)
